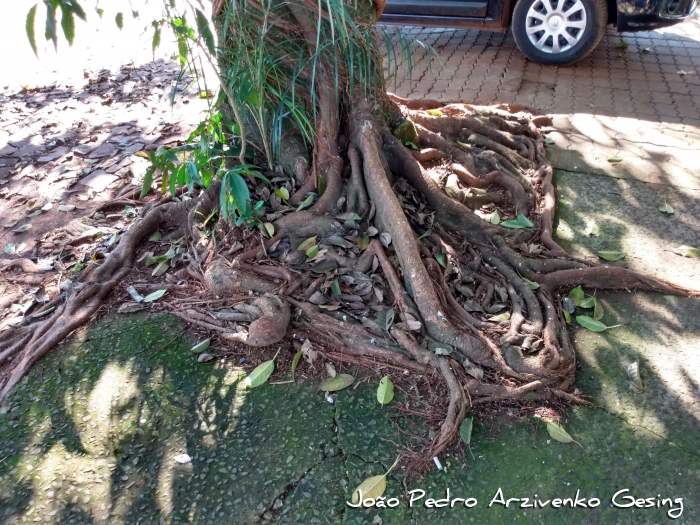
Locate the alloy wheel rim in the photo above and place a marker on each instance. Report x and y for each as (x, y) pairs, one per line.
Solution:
(555, 26)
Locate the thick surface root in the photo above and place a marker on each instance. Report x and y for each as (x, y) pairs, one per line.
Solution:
(271, 327)
(402, 262)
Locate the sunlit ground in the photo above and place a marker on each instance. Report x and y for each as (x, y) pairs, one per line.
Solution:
(99, 44)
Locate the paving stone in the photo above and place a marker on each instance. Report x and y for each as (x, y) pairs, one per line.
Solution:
(98, 180)
(54, 154)
(102, 151)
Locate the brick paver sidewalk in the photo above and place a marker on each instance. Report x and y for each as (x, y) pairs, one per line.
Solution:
(639, 102)
(641, 80)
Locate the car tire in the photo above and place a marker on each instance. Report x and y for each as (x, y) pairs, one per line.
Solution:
(558, 32)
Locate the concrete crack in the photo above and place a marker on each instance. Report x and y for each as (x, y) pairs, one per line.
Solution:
(272, 511)
(621, 418)
(343, 456)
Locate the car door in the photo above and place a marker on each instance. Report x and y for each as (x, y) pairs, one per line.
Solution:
(437, 8)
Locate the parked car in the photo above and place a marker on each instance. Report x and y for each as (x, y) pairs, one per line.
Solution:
(556, 32)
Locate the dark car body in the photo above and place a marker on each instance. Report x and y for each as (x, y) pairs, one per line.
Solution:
(495, 15)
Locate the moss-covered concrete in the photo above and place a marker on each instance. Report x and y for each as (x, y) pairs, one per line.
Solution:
(91, 436)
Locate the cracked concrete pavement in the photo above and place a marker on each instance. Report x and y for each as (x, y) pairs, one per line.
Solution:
(97, 433)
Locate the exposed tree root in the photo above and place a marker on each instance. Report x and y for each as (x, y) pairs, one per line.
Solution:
(450, 275)
(26, 265)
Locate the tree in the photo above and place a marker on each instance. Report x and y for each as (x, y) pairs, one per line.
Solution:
(377, 183)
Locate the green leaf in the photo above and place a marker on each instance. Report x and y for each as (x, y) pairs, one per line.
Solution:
(44, 313)
(307, 202)
(558, 433)
(22, 228)
(67, 24)
(282, 193)
(520, 222)
(240, 193)
(150, 260)
(155, 42)
(154, 296)
(505, 316)
(567, 317)
(325, 266)
(666, 208)
(261, 373)
(78, 10)
(385, 319)
(614, 160)
(687, 251)
(333, 384)
(426, 233)
(549, 140)
(622, 45)
(598, 311)
(200, 347)
(205, 31)
(385, 392)
(441, 258)
(495, 218)
(611, 255)
(160, 269)
(29, 26)
(530, 284)
(119, 19)
(51, 24)
(577, 295)
(100, 12)
(269, 228)
(349, 216)
(593, 229)
(465, 429)
(373, 487)
(336, 240)
(363, 242)
(295, 361)
(155, 236)
(312, 252)
(147, 182)
(335, 287)
(588, 302)
(592, 324)
(308, 243)
(434, 112)
(12, 248)
(182, 49)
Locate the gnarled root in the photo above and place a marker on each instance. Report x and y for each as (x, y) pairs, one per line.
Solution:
(270, 328)
(451, 276)
(99, 281)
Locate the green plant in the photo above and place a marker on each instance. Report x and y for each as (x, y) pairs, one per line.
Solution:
(205, 155)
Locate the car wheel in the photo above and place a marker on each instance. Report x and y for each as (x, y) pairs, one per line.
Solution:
(558, 32)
